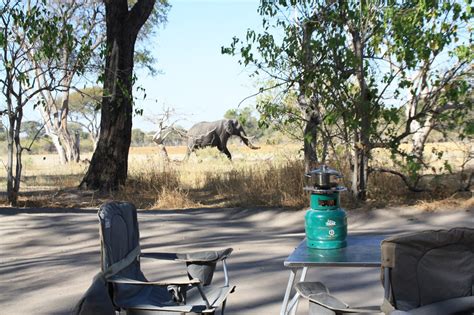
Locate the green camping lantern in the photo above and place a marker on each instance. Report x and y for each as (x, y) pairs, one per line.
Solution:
(325, 222)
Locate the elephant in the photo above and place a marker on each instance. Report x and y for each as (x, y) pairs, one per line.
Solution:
(216, 134)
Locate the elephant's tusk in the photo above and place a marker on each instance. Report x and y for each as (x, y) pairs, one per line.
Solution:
(250, 144)
(248, 138)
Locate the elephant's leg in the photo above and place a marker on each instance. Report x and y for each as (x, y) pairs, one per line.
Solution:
(226, 152)
(221, 145)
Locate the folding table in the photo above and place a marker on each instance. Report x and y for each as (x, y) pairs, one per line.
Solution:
(361, 251)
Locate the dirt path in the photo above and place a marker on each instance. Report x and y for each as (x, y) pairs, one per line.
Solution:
(48, 257)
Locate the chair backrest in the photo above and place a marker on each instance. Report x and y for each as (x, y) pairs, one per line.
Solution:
(119, 237)
(429, 266)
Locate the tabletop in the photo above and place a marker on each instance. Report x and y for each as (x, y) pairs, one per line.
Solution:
(361, 251)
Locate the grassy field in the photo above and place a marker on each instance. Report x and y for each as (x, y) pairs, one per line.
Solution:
(269, 177)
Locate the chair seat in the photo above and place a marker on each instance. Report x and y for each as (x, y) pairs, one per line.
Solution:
(317, 292)
(309, 288)
(154, 303)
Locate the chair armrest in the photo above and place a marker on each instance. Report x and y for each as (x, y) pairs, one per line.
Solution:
(200, 265)
(204, 256)
(123, 280)
(161, 256)
(447, 307)
(191, 257)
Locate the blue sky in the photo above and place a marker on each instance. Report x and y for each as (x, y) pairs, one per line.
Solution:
(197, 80)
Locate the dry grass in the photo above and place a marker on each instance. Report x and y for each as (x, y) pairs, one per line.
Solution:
(263, 184)
(175, 199)
(435, 155)
(212, 180)
(270, 177)
(455, 202)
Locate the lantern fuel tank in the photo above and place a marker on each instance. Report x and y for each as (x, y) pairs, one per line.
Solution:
(325, 221)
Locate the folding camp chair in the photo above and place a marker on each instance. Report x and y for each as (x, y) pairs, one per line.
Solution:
(133, 293)
(423, 273)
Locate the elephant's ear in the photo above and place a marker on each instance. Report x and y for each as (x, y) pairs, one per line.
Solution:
(229, 126)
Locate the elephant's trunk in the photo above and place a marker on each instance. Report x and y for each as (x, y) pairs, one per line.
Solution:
(248, 143)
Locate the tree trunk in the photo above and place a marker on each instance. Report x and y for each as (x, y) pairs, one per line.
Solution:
(310, 136)
(420, 135)
(11, 195)
(18, 152)
(59, 149)
(164, 153)
(68, 141)
(52, 134)
(55, 119)
(310, 142)
(70, 145)
(15, 116)
(308, 104)
(56, 129)
(95, 139)
(77, 142)
(109, 163)
(359, 170)
(361, 145)
(14, 155)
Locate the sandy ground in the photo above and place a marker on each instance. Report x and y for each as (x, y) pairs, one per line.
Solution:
(49, 256)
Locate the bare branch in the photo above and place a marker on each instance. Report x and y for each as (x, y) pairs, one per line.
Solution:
(28, 148)
(405, 179)
(263, 90)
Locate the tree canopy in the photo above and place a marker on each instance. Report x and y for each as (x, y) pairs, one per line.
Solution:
(26, 32)
(356, 68)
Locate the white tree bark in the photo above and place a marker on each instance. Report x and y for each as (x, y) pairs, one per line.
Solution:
(420, 135)
(52, 134)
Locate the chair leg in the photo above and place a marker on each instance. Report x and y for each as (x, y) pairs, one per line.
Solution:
(223, 307)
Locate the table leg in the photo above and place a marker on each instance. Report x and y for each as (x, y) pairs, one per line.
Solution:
(293, 306)
(290, 307)
(286, 298)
